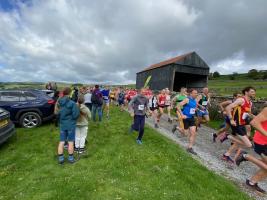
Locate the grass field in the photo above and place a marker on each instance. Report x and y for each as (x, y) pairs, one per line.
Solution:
(114, 167)
(221, 86)
(227, 87)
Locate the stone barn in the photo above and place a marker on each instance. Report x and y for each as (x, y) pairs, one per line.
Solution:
(188, 70)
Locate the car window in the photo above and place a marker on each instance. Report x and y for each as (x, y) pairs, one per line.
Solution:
(10, 96)
(30, 96)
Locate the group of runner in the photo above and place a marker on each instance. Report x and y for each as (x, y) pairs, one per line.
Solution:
(191, 110)
(239, 118)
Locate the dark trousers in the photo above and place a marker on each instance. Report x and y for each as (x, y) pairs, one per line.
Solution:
(89, 105)
(98, 109)
(139, 125)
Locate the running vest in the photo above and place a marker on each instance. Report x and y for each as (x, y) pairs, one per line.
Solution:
(153, 102)
(260, 138)
(162, 100)
(240, 113)
(179, 99)
(190, 108)
(168, 100)
(204, 100)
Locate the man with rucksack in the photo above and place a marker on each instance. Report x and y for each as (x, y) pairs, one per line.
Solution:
(97, 102)
(121, 97)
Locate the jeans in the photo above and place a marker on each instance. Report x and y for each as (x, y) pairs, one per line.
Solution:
(89, 105)
(139, 125)
(98, 109)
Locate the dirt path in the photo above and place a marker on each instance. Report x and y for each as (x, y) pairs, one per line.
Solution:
(209, 154)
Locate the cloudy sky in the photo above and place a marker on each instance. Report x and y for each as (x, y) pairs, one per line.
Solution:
(108, 41)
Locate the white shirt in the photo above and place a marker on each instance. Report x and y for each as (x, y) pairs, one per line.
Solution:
(87, 98)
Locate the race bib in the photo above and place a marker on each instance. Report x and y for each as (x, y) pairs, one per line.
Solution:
(162, 102)
(204, 103)
(192, 111)
(105, 98)
(141, 107)
(245, 115)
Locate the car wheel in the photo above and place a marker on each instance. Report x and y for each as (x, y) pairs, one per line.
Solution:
(30, 120)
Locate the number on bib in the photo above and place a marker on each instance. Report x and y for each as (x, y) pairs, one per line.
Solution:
(141, 107)
(204, 103)
(245, 115)
(192, 111)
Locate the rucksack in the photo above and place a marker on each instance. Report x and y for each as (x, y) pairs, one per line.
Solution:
(121, 96)
(97, 98)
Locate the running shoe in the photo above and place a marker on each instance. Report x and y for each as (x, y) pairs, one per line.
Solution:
(214, 136)
(60, 159)
(139, 141)
(224, 137)
(240, 158)
(156, 126)
(228, 159)
(71, 159)
(255, 187)
(170, 120)
(190, 150)
(174, 129)
(82, 150)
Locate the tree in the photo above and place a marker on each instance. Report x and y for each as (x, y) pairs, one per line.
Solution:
(216, 74)
(210, 76)
(254, 74)
(233, 76)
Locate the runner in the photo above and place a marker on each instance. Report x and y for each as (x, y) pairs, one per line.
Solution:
(168, 104)
(176, 101)
(203, 107)
(189, 109)
(106, 92)
(161, 103)
(121, 99)
(238, 113)
(138, 107)
(112, 95)
(260, 147)
(153, 105)
(227, 124)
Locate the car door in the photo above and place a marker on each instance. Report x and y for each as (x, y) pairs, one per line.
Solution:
(9, 100)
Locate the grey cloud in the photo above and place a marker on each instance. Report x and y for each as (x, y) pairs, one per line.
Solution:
(109, 41)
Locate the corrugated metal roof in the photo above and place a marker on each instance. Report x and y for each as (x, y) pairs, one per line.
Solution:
(167, 62)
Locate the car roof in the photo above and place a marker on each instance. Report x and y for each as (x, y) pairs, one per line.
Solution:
(35, 91)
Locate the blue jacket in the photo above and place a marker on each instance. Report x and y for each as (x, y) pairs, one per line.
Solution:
(68, 114)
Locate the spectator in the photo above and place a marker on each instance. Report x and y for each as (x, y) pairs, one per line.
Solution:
(68, 114)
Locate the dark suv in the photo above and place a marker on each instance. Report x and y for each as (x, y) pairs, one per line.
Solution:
(7, 128)
(28, 108)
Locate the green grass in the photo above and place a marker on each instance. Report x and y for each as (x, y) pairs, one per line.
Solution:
(215, 124)
(228, 87)
(115, 167)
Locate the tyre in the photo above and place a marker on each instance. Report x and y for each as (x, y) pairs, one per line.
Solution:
(30, 120)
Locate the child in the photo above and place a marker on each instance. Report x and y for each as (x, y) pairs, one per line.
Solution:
(82, 125)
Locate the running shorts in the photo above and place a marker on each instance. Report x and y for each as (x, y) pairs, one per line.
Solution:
(239, 130)
(202, 113)
(260, 149)
(189, 122)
